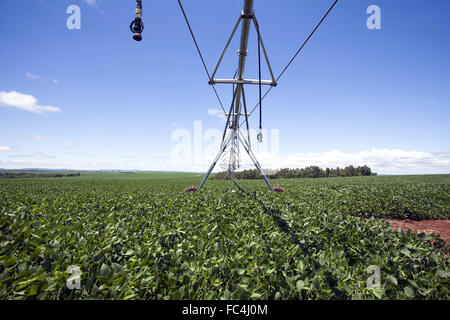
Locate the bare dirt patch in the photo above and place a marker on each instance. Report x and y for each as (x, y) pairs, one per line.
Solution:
(441, 227)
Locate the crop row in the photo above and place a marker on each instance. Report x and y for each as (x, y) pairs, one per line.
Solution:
(149, 240)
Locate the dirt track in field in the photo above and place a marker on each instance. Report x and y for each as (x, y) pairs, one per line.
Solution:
(441, 227)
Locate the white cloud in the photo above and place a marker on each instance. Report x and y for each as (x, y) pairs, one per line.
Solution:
(35, 77)
(4, 148)
(72, 146)
(382, 161)
(92, 3)
(216, 113)
(31, 76)
(39, 137)
(24, 102)
(31, 156)
(95, 4)
(18, 161)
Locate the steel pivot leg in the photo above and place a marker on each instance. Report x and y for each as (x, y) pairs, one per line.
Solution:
(211, 168)
(256, 163)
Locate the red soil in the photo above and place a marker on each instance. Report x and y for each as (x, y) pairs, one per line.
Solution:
(441, 227)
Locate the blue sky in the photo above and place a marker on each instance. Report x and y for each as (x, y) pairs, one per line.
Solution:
(95, 99)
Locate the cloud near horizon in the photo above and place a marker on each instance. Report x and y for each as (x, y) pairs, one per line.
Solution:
(381, 161)
(23, 101)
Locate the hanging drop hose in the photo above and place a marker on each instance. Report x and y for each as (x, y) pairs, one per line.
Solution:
(296, 54)
(260, 135)
(137, 25)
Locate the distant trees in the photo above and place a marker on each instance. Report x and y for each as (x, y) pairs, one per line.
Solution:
(73, 174)
(15, 175)
(308, 172)
(246, 174)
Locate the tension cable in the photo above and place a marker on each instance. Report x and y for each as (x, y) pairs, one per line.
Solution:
(296, 54)
(201, 56)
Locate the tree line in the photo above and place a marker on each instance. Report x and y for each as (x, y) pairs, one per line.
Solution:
(308, 172)
(15, 175)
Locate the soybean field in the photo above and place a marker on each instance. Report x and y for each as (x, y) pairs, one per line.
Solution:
(139, 236)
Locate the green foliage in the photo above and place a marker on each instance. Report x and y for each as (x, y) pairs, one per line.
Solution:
(308, 172)
(147, 239)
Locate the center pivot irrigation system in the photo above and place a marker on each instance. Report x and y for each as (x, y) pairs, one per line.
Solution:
(232, 135)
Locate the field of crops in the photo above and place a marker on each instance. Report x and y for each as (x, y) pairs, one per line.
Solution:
(141, 237)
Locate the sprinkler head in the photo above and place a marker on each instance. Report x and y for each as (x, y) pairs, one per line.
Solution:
(137, 36)
(137, 27)
(260, 137)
